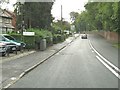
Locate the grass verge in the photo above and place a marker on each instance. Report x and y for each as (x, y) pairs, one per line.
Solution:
(117, 45)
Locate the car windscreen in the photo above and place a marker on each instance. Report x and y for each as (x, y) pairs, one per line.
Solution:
(9, 37)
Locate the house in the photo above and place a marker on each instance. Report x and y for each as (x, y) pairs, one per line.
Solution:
(13, 18)
(5, 22)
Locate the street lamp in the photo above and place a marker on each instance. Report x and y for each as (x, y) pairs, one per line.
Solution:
(22, 24)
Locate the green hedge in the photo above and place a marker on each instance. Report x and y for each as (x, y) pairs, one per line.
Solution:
(41, 33)
(58, 38)
(31, 41)
(55, 40)
(49, 41)
(16, 36)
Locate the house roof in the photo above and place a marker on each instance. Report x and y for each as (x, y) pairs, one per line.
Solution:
(3, 13)
(10, 13)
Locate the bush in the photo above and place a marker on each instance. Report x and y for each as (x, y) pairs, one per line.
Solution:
(49, 41)
(41, 32)
(55, 39)
(58, 38)
(17, 36)
(29, 40)
(33, 41)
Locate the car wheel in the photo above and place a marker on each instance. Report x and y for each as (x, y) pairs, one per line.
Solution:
(4, 54)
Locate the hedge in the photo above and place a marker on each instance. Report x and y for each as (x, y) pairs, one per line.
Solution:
(31, 41)
(41, 33)
(58, 38)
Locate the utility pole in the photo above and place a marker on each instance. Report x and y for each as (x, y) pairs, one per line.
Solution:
(61, 18)
(61, 13)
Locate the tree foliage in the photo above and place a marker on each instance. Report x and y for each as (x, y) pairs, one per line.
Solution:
(61, 25)
(35, 14)
(73, 16)
(99, 16)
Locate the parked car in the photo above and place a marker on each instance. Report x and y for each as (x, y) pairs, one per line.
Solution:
(7, 47)
(8, 38)
(84, 36)
(3, 49)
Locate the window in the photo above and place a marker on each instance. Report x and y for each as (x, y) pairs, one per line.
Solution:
(9, 37)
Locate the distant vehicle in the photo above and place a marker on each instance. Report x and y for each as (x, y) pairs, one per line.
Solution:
(84, 36)
(8, 38)
(66, 32)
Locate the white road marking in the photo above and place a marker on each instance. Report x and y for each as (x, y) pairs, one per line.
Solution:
(104, 58)
(21, 74)
(13, 78)
(106, 65)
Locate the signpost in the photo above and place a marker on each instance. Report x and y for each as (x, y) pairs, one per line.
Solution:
(72, 27)
(28, 33)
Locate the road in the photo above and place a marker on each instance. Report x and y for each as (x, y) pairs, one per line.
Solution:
(105, 48)
(76, 66)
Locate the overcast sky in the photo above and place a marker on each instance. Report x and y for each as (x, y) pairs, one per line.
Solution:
(68, 6)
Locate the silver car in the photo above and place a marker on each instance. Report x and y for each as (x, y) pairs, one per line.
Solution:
(84, 36)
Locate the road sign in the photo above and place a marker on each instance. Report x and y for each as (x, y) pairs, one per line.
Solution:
(73, 27)
(28, 33)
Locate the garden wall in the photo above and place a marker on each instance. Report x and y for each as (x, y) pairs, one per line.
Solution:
(111, 36)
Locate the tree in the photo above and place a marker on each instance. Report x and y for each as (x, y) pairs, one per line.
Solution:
(99, 16)
(61, 25)
(73, 16)
(35, 14)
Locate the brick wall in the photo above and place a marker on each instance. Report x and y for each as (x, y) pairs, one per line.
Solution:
(111, 36)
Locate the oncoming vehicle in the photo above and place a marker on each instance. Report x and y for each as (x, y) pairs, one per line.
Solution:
(84, 36)
(8, 38)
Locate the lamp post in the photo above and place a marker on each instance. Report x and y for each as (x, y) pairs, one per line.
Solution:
(22, 23)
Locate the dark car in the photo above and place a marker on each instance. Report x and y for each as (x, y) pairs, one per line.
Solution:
(84, 36)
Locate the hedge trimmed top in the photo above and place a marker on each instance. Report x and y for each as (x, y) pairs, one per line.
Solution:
(41, 33)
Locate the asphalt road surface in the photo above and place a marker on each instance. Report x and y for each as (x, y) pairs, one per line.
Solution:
(76, 66)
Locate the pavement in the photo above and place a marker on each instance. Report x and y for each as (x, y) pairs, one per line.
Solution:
(16, 66)
(13, 56)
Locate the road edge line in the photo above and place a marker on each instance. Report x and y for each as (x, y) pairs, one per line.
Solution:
(108, 67)
(115, 67)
